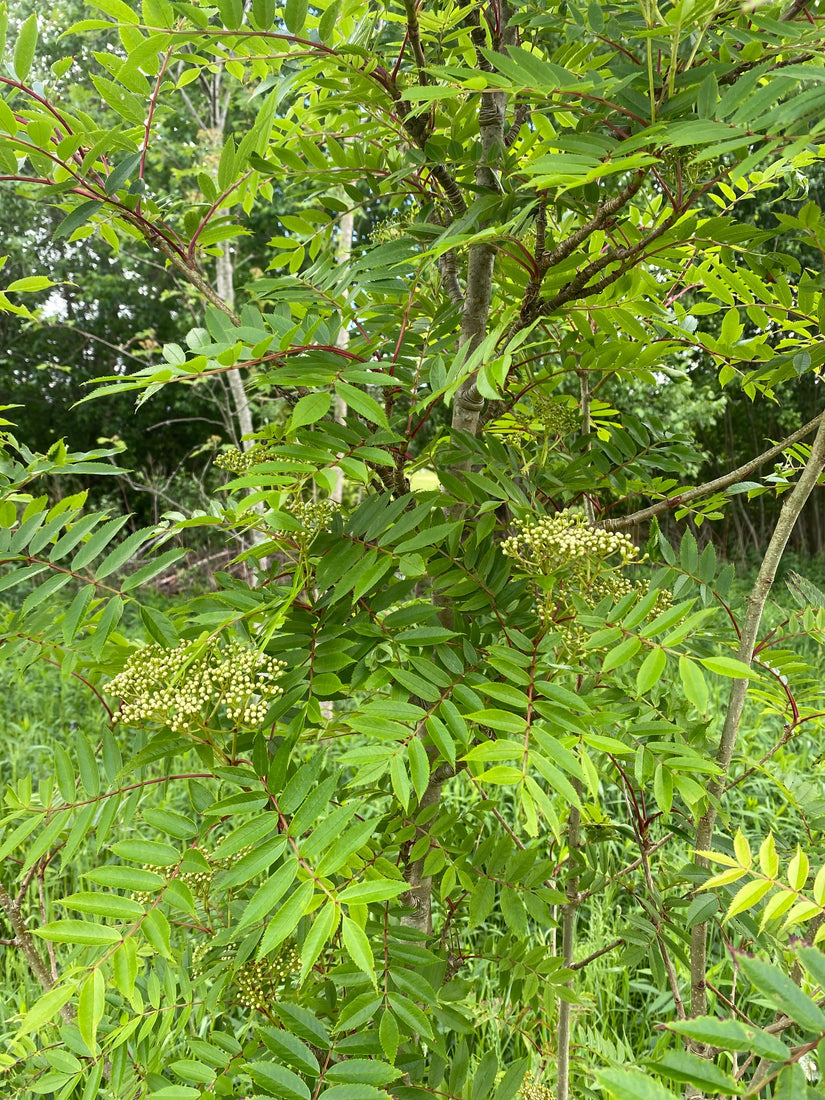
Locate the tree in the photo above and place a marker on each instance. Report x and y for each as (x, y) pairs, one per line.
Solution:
(375, 793)
(102, 316)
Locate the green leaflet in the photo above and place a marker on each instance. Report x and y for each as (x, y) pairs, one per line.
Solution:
(286, 920)
(629, 1084)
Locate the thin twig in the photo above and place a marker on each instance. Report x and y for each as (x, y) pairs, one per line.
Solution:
(597, 955)
(629, 869)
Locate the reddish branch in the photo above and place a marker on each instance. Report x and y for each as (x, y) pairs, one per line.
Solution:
(532, 306)
(581, 287)
(153, 100)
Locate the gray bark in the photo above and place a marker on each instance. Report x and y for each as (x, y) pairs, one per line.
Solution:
(225, 286)
(23, 940)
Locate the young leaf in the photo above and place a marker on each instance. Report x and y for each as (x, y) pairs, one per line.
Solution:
(354, 1092)
(290, 1049)
(97, 543)
(45, 1007)
(79, 216)
(268, 894)
(357, 946)
(90, 1009)
(690, 1069)
(360, 893)
(159, 627)
(286, 921)
(731, 1035)
(25, 46)
(747, 896)
(308, 409)
(798, 870)
(73, 619)
(651, 670)
(693, 682)
(632, 1084)
(768, 857)
(742, 849)
(357, 399)
(726, 666)
(295, 13)
(362, 1071)
(77, 931)
(319, 934)
(121, 554)
(388, 1035)
(622, 653)
(278, 1081)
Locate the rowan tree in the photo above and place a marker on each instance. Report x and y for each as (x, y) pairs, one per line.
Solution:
(350, 814)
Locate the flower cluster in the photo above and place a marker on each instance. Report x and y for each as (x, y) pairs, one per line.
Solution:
(532, 1090)
(576, 559)
(556, 417)
(198, 882)
(257, 982)
(192, 685)
(239, 462)
(314, 515)
(391, 227)
(548, 417)
(566, 542)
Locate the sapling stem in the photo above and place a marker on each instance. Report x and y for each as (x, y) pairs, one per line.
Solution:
(568, 943)
(791, 510)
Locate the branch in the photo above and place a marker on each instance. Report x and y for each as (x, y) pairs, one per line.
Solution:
(796, 7)
(414, 38)
(192, 275)
(714, 486)
(419, 896)
(119, 348)
(199, 122)
(468, 404)
(23, 940)
(605, 210)
(153, 101)
(418, 130)
(452, 192)
(520, 116)
(531, 307)
(577, 287)
(448, 269)
(788, 732)
(734, 74)
(597, 955)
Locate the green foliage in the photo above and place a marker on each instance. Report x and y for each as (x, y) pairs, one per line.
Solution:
(332, 824)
